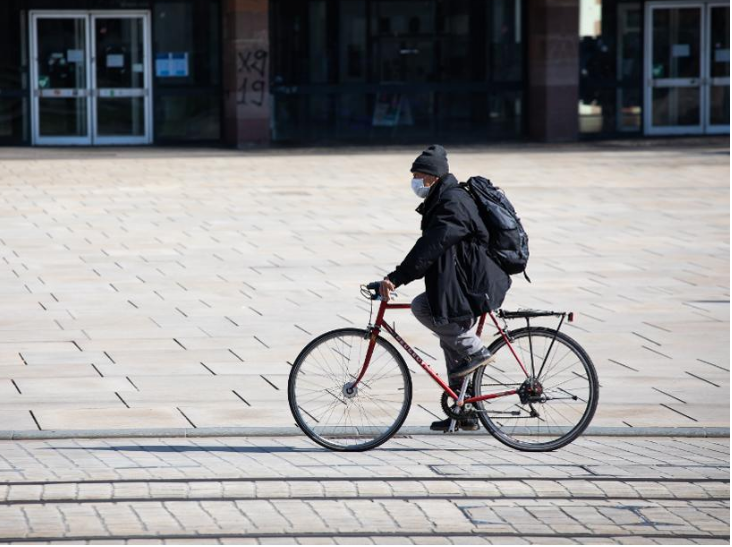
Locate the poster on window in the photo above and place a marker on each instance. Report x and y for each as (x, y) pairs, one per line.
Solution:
(391, 110)
(171, 65)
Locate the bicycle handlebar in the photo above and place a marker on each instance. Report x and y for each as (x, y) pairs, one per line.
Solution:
(371, 290)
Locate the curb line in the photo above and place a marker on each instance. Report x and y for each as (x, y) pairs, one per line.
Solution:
(599, 431)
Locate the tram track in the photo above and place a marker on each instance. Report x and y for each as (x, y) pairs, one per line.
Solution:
(416, 534)
(238, 507)
(443, 497)
(372, 478)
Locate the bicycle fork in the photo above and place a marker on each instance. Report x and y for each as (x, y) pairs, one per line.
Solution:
(461, 398)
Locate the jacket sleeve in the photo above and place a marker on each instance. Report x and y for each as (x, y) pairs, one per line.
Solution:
(449, 226)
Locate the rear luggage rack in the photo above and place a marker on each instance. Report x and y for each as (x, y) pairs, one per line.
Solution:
(526, 312)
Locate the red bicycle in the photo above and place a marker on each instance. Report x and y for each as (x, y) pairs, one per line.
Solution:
(351, 390)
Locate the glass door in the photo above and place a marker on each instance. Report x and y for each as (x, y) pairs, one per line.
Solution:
(717, 79)
(121, 79)
(60, 79)
(674, 69)
(91, 78)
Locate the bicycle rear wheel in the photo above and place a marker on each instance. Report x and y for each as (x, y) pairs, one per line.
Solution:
(324, 408)
(554, 404)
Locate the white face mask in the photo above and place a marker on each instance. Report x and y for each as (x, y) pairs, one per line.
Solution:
(419, 188)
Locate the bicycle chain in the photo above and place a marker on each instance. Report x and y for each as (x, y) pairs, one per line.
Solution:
(451, 409)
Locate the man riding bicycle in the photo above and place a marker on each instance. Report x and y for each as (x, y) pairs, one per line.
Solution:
(462, 281)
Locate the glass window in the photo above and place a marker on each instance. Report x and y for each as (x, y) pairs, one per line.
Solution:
(396, 70)
(188, 117)
(673, 106)
(187, 106)
(506, 60)
(719, 105)
(12, 41)
(303, 117)
(352, 50)
(462, 114)
(63, 117)
(719, 58)
(504, 111)
(190, 28)
(629, 68)
(14, 116)
(676, 43)
(594, 66)
(719, 65)
(403, 36)
(453, 46)
(318, 31)
(289, 33)
(402, 116)
(630, 43)
(611, 64)
(14, 103)
(354, 116)
(14, 95)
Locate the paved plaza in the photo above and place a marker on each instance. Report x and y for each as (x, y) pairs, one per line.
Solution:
(460, 489)
(171, 289)
(164, 294)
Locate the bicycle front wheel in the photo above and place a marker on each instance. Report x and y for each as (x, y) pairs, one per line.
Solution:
(554, 404)
(329, 410)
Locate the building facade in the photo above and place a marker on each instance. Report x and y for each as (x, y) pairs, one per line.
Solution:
(654, 67)
(242, 72)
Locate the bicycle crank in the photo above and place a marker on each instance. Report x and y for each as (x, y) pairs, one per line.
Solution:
(450, 408)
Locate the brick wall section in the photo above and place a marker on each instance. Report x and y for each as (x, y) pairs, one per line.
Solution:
(553, 69)
(246, 52)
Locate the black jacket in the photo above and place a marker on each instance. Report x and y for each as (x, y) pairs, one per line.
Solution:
(461, 280)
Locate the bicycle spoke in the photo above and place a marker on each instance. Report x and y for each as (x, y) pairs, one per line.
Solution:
(565, 399)
(331, 414)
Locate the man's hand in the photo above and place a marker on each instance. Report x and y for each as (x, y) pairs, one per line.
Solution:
(386, 287)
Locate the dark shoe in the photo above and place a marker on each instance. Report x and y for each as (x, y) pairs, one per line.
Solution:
(472, 362)
(469, 423)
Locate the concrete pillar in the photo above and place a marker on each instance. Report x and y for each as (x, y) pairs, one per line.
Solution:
(553, 69)
(245, 46)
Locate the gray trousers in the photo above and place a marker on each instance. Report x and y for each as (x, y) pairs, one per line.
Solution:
(457, 340)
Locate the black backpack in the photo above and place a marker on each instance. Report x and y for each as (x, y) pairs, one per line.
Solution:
(509, 244)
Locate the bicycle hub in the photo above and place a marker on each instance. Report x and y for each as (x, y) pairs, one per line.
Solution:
(350, 390)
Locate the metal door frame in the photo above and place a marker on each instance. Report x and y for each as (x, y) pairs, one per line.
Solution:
(649, 129)
(36, 137)
(146, 138)
(708, 79)
(704, 80)
(91, 93)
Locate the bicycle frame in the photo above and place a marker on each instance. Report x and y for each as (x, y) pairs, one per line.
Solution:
(380, 323)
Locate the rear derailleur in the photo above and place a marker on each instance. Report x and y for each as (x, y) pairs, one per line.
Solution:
(531, 391)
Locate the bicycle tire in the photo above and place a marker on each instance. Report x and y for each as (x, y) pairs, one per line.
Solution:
(304, 420)
(497, 430)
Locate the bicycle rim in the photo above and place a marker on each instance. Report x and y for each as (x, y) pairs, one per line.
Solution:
(339, 420)
(556, 409)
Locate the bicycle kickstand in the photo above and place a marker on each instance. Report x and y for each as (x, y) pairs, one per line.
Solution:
(461, 398)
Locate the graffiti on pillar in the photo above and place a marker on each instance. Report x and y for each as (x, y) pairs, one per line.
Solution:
(252, 69)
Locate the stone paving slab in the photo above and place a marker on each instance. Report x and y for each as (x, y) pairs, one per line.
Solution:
(158, 282)
(414, 490)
